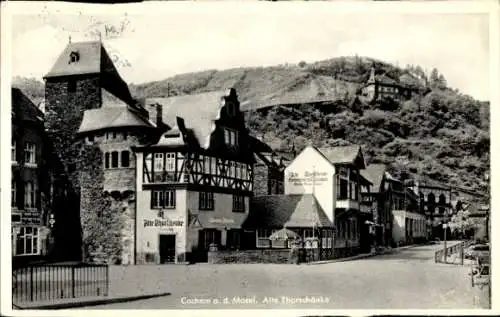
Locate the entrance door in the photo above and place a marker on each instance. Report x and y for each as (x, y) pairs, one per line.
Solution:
(167, 248)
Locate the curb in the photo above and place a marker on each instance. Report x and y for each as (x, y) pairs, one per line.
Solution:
(93, 302)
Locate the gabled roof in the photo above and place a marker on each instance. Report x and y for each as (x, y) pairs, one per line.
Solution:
(199, 112)
(90, 60)
(386, 80)
(116, 115)
(277, 211)
(24, 109)
(350, 154)
(375, 174)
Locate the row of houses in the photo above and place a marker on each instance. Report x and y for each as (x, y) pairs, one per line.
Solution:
(168, 180)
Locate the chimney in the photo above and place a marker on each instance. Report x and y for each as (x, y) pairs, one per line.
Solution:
(159, 115)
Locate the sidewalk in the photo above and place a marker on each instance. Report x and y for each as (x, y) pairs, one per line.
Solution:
(83, 301)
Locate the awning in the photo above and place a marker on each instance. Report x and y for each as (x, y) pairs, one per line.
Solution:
(211, 220)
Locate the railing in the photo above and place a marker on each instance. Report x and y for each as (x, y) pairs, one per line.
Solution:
(48, 282)
(440, 256)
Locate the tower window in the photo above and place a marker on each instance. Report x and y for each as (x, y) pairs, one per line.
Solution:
(72, 86)
(74, 57)
(125, 159)
(114, 159)
(106, 160)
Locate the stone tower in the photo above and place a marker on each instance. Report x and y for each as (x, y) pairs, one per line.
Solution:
(93, 121)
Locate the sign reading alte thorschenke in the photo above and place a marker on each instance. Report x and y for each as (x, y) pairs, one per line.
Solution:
(307, 178)
(163, 223)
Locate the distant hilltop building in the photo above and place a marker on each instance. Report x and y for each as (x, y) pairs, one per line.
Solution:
(382, 86)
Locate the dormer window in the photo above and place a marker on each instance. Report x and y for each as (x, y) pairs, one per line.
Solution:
(231, 137)
(74, 57)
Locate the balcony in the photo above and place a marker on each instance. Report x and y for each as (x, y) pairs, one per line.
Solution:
(347, 204)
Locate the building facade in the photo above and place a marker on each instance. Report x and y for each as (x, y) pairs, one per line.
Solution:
(31, 184)
(335, 182)
(194, 185)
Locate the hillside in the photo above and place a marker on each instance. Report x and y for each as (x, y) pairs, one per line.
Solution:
(442, 136)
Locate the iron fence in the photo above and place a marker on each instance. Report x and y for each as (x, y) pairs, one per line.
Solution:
(49, 282)
(440, 256)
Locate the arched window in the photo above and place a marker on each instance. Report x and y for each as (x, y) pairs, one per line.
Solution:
(106, 160)
(431, 203)
(114, 159)
(125, 159)
(421, 202)
(442, 203)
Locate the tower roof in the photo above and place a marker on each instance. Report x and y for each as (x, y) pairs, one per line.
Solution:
(88, 59)
(117, 115)
(84, 58)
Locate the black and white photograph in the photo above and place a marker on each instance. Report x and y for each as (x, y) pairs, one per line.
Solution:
(221, 156)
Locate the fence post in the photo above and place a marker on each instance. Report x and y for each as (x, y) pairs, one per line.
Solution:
(462, 246)
(31, 283)
(107, 280)
(73, 282)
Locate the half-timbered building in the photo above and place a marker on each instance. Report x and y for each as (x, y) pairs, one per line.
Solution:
(193, 185)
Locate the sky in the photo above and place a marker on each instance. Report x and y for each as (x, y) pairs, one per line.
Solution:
(155, 46)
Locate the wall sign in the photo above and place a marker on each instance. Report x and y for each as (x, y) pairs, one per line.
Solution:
(307, 178)
(31, 218)
(163, 223)
(221, 220)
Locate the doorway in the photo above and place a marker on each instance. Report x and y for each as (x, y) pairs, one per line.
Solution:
(167, 248)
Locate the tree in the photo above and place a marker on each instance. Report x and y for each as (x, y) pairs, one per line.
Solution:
(434, 78)
(441, 83)
(461, 223)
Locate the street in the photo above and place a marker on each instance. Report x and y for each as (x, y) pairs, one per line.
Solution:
(408, 279)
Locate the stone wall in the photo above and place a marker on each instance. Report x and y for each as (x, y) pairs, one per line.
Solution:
(278, 256)
(260, 179)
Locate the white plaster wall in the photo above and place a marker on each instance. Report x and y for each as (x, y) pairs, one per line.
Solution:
(297, 180)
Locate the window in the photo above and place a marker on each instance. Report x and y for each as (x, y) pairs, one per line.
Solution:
(231, 137)
(27, 241)
(263, 238)
(163, 199)
(232, 167)
(158, 162)
(342, 188)
(125, 135)
(212, 237)
(106, 160)
(90, 138)
(13, 192)
(238, 203)
(114, 135)
(170, 166)
(13, 154)
(74, 57)
(125, 158)
(206, 201)
(233, 239)
(206, 164)
(114, 159)
(72, 86)
(30, 195)
(30, 153)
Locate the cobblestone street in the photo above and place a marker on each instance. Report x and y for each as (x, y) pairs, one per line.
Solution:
(408, 279)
